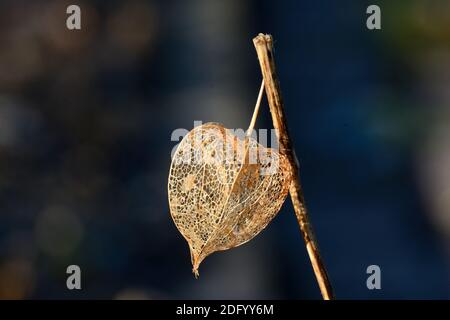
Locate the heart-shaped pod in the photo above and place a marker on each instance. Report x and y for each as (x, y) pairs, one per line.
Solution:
(223, 190)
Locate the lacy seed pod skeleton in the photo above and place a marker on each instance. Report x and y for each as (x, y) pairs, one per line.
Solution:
(223, 190)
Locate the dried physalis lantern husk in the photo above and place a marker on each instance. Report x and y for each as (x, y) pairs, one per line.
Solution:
(223, 190)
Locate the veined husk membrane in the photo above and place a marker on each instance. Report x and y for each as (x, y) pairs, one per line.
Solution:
(223, 190)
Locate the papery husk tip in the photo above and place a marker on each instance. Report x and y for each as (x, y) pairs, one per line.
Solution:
(195, 259)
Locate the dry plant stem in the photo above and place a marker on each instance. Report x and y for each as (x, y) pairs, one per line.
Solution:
(256, 110)
(264, 48)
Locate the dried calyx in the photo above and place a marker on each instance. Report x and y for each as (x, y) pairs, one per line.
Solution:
(223, 189)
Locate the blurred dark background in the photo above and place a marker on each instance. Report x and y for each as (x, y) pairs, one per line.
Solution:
(86, 119)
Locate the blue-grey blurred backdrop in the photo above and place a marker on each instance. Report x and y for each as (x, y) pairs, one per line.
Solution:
(86, 119)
